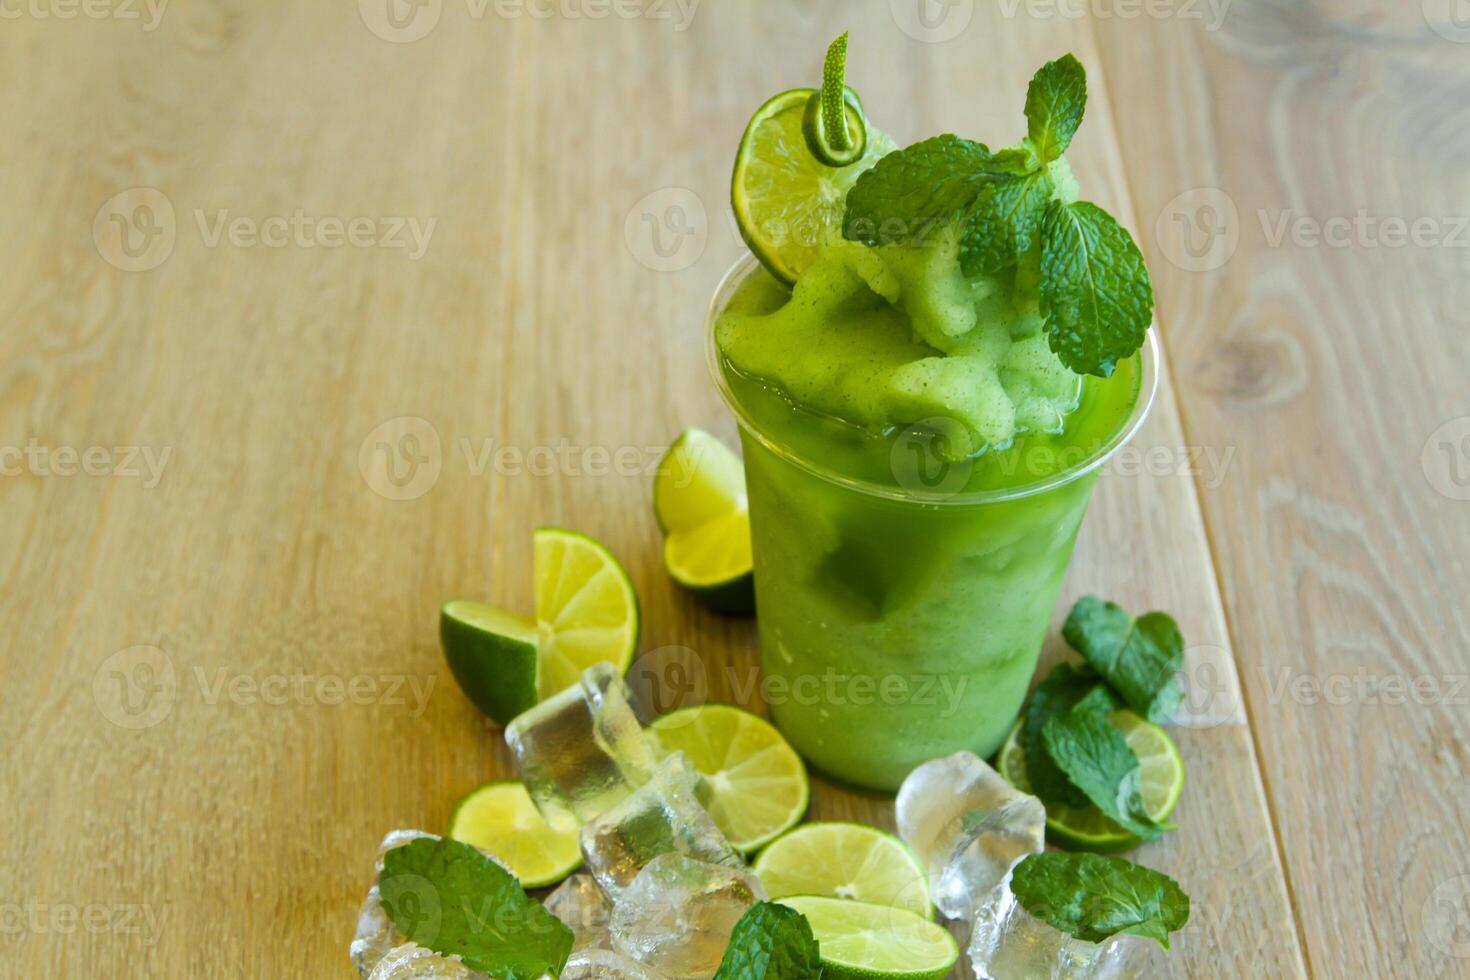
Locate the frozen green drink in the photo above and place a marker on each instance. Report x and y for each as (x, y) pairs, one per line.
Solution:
(923, 417)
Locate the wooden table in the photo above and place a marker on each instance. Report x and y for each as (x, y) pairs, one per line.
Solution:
(251, 449)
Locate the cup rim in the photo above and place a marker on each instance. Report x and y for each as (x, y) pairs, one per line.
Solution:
(1147, 392)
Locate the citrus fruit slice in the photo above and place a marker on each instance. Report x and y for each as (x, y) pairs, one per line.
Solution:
(586, 609)
(845, 860)
(500, 818)
(1087, 828)
(699, 501)
(859, 941)
(757, 785)
(492, 655)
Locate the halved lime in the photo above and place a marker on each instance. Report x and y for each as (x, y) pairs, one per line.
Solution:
(1086, 828)
(787, 201)
(859, 940)
(493, 656)
(845, 860)
(757, 784)
(699, 501)
(500, 818)
(586, 609)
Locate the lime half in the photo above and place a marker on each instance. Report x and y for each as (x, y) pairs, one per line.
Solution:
(1087, 828)
(865, 941)
(699, 500)
(786, 201)
(500, 818)
(757, 784)
(586, 609)
(493, 655)
(845, 860)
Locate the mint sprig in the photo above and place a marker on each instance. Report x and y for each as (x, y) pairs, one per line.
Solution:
(1095, 289)
(1063, 689)
(1140, 658)
(448, 897)
(1092, 897)
(1098, 761)
(771, 942)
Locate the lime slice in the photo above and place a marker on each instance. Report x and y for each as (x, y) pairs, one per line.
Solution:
(845, 860)
(787, 201)
(837, 142)
(1086, 828)
(586, 609)
(699, 500)
(500, 818)
(859, 940)
(493, 656)
(757, 784)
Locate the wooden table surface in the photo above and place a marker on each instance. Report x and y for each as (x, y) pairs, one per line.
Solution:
(311, 313)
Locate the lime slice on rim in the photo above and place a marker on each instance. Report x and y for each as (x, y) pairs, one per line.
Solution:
(845, 860)
(757, 783)
(858, 940)
(1086, 828)
(786, 201)
(499, 817)
(699, 500)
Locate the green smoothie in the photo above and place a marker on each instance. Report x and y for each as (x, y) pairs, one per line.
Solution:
(923, 417)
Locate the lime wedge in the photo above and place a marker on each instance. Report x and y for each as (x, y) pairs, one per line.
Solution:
(845, 860)
(586, 609)
(757, 784)
(493, 656)
(870, 942)
(500, 818)
(699, 500)
(1086, 828)
(787, 201)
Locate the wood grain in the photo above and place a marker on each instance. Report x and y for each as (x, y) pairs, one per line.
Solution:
(541, 352)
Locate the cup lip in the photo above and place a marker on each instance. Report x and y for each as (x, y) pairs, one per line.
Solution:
(1148, 391)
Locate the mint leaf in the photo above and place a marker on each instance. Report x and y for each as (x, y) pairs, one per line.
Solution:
(1092, 897)
(910, 192)
(1140, 657)
(1067, 686)
(771, 942)
(1097, 760)
(1004, 221)
(449, 897)
(1095, 289)
(1055, 100)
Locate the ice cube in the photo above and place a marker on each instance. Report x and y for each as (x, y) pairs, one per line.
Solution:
(1009, 943)
(968, 826)
(664, 816)
(582, 750)
(413, 962)
(677, 915)
(581, 904)
(604, 964)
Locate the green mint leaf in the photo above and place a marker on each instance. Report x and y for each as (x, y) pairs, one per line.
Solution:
(1097, 760)
(910, 192)
(834, 107)
(771, 942)
(1066, 687)
(1092, 897)
(1140, 657)
(450, 898)
(1004, 221)
(1095, 289)
(1055, 101)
